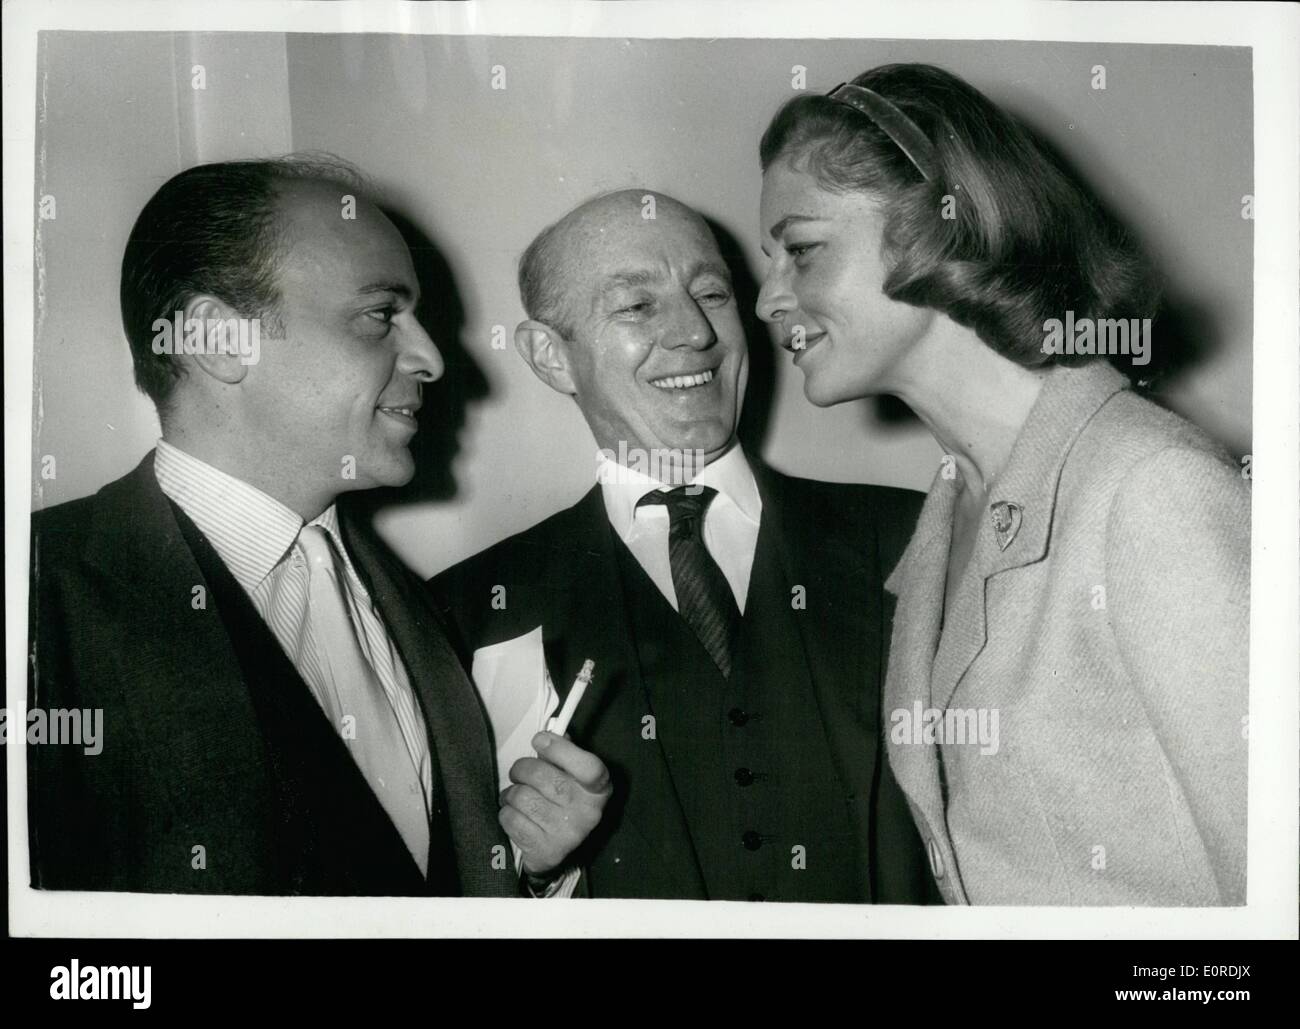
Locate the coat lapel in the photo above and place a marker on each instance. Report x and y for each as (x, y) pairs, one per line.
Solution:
(963, 627)
(330, 832)
(453, 713)
(918, 581)
(180, 678)
(843, 611)
(593, 623)
(1018, 518)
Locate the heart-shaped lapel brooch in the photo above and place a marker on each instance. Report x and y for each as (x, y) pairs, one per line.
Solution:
(1006, 522)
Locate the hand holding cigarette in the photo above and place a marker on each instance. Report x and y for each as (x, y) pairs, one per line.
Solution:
(557, 797)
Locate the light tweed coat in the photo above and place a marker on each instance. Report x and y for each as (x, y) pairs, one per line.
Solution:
(1110, 636)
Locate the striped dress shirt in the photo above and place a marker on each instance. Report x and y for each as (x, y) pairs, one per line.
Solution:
(256, 536)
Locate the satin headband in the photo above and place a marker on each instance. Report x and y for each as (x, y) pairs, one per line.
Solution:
(892, 122)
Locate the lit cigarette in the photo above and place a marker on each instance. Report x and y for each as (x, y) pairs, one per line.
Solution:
(560, 723)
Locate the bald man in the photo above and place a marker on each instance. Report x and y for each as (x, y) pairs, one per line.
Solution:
(736, 616)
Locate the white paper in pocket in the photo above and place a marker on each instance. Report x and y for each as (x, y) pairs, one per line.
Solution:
(516, 688)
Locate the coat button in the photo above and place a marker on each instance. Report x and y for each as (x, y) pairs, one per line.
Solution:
(743, 777)
(738, 717)
(936, 859)
(751, 840)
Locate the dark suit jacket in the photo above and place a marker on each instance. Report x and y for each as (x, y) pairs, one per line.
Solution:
(210, 738)
(839, 541)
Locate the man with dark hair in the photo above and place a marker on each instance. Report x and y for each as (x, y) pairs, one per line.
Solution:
(736, 616)
(282, 712)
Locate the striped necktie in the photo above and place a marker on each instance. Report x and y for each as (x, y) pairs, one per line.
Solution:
(704, 597)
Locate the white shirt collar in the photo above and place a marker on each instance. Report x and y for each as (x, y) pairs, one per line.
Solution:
(730, 474)
(250, 530)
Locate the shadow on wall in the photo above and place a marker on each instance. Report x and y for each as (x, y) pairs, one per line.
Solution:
(447, 401)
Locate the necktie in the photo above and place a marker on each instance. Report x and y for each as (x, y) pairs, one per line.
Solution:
(704, 597)
(355, 701)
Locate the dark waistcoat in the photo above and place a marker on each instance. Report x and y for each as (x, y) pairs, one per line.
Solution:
(747, 756)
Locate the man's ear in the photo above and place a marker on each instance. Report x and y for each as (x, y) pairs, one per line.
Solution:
(211, 339)
(543, 348)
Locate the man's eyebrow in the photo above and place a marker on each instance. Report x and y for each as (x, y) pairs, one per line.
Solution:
(711, 268)
(627, 278)
(399, 288)
(642, 277)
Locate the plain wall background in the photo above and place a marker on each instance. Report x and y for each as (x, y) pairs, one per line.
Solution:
(474, 172)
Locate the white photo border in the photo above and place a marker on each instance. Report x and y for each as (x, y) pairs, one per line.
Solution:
(1271, 31)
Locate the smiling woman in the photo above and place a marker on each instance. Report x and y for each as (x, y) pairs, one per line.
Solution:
(1002, 241)
(1080, 570)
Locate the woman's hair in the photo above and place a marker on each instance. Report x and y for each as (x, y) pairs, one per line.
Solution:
(1001, 239)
